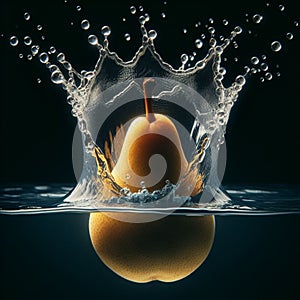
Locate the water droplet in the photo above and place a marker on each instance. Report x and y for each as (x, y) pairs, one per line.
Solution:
(163, 15)
(289, 36)
(105, 30)
(261, 79)
(57, 77)
(127, 176)
(29, 57)
(127, 37)
(238, 30)
(132, 10)
(124, 19)
(211, 20)
(198, 43)
(152, 34)
(184, 58)
(78, 8)
(236, 59)
(222, 71)
(264, 66)
(26, 16)
(93, 40)
(142, 20)
(275, 46)
(296, 23)
(44, 58)
(225, 22)
(278, 74)
(35, 50)
(254, 60)
(141, 8)
(21, 55)
(60, 57)
(264, 57)
(257, 18)
(147, 17)
(52, 49)
(211, 30)
(235, 45)
(43, 37)
(39, 27)
(184, 30)
(27, 40)
(14, 41)
(268, 76)
(71, 23)
(202, 36)
(38, 80)
(281, 7)
(85, 24)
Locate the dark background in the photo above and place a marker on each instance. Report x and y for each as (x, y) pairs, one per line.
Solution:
(50, 256)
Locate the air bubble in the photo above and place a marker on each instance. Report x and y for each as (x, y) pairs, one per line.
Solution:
(198, 43)
(85, 24)
(39, 27)
(44, 58)
(289, 36)
(257, 18)
(132, 10)
(254, 60)
(127, 37)
(152, 34)
(93, 40)
(14, 41)
(27, 16)
(105, 30)
(275, 46)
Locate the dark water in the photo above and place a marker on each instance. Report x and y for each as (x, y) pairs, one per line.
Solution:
(241, 200)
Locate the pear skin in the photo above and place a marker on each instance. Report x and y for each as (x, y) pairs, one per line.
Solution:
(168, 249)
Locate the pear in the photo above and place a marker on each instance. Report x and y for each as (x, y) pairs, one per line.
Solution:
(152, 152)
(167, 249)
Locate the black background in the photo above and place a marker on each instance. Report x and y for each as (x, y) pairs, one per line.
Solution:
(50, 256)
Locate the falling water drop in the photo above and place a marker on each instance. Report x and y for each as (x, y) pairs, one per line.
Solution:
(152, 34)
(184, 58)
(106, 31)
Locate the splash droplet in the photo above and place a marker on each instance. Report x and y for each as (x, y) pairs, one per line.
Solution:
(35, 50)
(85, 24)
(27, 40)
(132, 10)
(78, 8)
(184, 58)
(257, 18)
(14, 41)
(57, 77)
(163, 15)
(39, 27)
(152, 34)
(127, 37)
(38, 80)
(276, 46)
(93, 40)
(26, 16)
(44, 58)
(106, 31)
(52, 49)
(198, 43)
(225, 22)
(268, 76)
(289, 36)
(21, 55)
(61, 57)
(184, 30)
(29, 57)
(281, 7)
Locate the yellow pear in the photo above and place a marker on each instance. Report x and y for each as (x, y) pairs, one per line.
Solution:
(151, 152)
(168, 249)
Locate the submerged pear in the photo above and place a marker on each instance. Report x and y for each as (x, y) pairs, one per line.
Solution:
(151, 152)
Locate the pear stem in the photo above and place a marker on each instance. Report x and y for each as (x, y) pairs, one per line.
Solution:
(148, 86)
